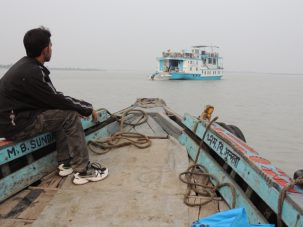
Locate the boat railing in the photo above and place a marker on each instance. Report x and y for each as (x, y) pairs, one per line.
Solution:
(179, 55)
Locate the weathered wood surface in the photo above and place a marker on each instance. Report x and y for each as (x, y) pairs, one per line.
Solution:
(22, 178)
(169, 126)
(142, 189)
(23, 208)
(155, 127)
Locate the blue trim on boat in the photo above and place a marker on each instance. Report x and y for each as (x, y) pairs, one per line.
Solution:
(17, 150)
(197, 76)
(211, 165)
(260, 183)
(25, 176)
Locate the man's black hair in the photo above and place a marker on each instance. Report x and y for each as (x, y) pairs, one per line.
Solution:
(36, 40)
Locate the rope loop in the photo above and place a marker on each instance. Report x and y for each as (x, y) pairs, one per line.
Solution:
(121, 138)
(206, 189)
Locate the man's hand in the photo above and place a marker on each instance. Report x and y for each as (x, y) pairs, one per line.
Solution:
(95, 116)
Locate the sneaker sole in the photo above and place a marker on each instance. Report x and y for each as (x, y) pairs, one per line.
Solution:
(64, 172)
(80, 181)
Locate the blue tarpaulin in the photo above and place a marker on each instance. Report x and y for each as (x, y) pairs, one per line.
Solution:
(229, 218)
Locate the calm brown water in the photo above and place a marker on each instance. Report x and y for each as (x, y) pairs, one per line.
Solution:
(267, 108)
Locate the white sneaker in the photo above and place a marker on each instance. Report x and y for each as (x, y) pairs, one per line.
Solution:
(93, 173)
(65, 170)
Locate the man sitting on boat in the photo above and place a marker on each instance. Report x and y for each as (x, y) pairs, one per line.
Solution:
(30, 105)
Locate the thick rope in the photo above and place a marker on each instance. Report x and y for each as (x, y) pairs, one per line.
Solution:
(121, 138)
(205, 190)
(282, 195)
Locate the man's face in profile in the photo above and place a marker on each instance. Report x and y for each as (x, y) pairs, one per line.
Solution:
(48, 52)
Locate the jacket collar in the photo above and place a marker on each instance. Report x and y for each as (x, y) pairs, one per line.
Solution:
(45, 70)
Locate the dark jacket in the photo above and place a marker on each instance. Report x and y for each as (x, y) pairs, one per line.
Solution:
(25, 91)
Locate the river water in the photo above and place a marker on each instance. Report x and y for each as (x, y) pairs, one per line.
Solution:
(266, 107)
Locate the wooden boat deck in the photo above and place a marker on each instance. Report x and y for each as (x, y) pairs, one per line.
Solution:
(142, 189)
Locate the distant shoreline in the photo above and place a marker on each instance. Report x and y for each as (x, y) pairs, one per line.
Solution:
(2, 66)
(61, 68)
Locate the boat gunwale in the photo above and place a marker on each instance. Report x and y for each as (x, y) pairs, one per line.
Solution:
(288, 200)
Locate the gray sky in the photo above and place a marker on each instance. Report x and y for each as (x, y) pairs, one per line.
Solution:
(255, 35)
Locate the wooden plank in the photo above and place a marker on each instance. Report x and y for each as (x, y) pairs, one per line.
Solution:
(55, 181)
(24, 203)
(157, 129)
(144, 129)
(46, 182)
(206, 160)
(15, 222)
(27, 175)
(37, 206)
(169, 126)
(49, 176)
(237, 155)
(42, 188)
(7, 205)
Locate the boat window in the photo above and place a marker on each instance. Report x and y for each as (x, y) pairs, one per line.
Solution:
(196, 68)
(214, 61)
(209, 61)
(191, 69)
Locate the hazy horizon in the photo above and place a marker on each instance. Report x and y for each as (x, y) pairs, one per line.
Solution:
(260, 36)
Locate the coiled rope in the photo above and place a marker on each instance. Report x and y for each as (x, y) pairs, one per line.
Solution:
(121, 138)
(206, 189)
(282, 195)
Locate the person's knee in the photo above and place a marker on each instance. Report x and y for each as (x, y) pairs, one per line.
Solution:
(72, 115)
(72, 121)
